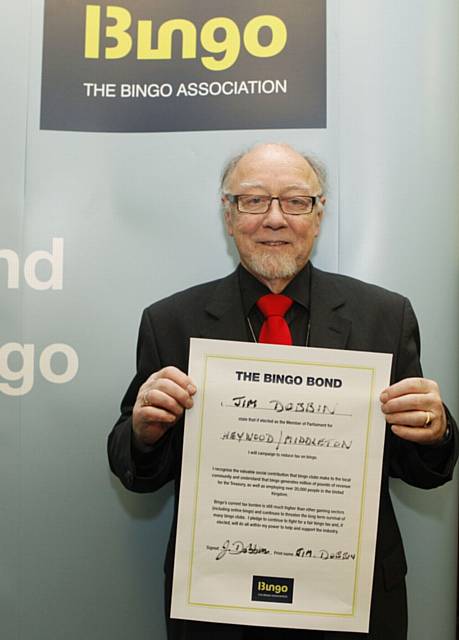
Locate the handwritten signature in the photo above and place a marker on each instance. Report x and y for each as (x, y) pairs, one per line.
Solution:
(237, 547)
(323, 554)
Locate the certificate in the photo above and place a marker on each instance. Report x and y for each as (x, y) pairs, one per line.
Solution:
(280, 486)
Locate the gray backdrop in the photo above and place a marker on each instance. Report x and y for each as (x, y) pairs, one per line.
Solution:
(80, 557)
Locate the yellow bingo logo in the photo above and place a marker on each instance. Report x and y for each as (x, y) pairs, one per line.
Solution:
(220, 36)
(272, 589)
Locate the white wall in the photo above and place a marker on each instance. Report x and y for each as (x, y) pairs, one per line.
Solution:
(399, 206)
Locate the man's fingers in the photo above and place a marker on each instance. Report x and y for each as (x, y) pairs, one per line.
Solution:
(167, 394)
(161, 401)
(176, 375)
(414, 409)
(156, 415)
(409, 386)
(410, 402)
(411, 418)
(421, 436)
(150, 425)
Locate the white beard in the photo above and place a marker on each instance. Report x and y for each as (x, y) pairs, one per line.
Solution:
(272, 267)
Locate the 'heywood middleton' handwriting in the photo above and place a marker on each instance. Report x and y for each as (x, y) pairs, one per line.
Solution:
(285, 439)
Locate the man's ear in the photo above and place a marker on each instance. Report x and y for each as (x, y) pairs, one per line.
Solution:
(227, 214)
(319, 214)
(321, 210)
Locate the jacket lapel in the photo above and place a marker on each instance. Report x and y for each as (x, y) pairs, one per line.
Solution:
(329, 327)
(225, 315)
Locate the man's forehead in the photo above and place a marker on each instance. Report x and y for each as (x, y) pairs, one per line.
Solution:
(273, 161)
(291, 184)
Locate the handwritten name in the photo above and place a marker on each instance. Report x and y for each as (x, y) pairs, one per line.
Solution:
(285, 439)
(243, 402)
(324, 554)
(237, 547)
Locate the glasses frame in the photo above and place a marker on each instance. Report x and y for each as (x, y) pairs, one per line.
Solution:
(234, 199)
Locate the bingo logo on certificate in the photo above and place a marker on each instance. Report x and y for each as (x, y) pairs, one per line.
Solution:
(269, 589)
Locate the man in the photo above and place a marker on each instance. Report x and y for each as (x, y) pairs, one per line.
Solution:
(273, 201)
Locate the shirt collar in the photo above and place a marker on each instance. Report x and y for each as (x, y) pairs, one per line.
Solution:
(252, 289)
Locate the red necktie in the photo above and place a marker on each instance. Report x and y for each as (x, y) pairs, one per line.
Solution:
(275, 329)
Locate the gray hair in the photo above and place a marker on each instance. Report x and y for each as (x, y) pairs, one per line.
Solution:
(317, 166)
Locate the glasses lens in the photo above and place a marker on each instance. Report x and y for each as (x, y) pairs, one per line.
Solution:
(297, 204)
(253, 204)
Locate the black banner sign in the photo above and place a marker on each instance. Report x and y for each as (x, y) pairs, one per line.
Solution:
(170, 65)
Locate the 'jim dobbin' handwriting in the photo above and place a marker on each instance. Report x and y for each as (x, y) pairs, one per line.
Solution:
(242, 402)
(285, 439)
(237, 547)
(323, 554)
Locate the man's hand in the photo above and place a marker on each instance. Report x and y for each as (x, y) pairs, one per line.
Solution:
(160, 402)
(415, 410)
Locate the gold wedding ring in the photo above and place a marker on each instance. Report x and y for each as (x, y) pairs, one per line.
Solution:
(428, 419)
(145, 402)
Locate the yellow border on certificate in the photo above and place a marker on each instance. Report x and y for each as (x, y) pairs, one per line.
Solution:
(371, 370)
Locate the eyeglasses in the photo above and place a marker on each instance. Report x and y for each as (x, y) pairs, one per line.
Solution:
(291, 205)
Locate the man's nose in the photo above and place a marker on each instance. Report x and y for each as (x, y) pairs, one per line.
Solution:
(274, 218)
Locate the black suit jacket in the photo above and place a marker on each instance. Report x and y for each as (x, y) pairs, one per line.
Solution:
(344, 314)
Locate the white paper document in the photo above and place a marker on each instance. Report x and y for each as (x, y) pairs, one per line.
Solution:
(280, 486)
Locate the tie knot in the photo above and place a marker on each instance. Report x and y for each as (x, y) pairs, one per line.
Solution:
(274, 304)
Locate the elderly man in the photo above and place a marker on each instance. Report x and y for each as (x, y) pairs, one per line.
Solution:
(273, 201)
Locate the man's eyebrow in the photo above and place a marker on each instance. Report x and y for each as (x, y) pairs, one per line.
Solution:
(249, 184)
